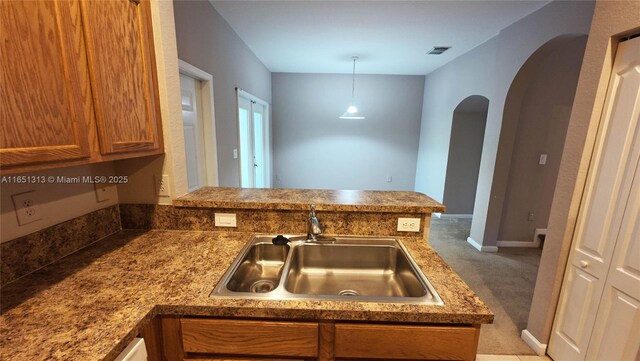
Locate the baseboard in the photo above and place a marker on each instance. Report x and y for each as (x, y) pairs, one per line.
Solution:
(518, 244)
(480, 248)
(527, 244)
(447, 215)
(436, 215)
(539, 348)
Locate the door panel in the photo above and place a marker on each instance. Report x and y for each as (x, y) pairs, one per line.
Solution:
(616, 332)
(193, 132)
(45, 105)
(603, 222)
(120, 49)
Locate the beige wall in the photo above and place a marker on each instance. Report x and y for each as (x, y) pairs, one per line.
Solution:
(463, 165)
(611, 20)
(543, 110)
(58, 202)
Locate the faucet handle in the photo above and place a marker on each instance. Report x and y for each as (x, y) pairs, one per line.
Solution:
(313, 209)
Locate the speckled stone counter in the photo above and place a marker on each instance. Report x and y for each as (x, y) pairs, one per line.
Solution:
(91, 304)
(300, 199)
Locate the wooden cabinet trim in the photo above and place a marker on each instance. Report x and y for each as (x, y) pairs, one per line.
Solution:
(404, 342)
(243, 337)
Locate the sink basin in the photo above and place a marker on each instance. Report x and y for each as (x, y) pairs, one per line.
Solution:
(260, 269)
(351, 268)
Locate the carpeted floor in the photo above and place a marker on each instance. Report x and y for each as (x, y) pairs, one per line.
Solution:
(503, 280)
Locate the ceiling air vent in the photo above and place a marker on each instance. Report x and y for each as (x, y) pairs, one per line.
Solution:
(437, 50)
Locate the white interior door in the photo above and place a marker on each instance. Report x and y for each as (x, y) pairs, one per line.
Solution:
(616, 333)
(193, 131)
(255, 145)
(605, 219)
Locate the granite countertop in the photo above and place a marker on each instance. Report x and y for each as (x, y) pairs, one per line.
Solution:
(300, 199)
(90, 305)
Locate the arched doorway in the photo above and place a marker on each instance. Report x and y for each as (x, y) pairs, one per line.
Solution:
(535, 121)
(465, 150)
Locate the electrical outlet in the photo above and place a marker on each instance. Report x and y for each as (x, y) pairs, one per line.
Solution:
(162, 185)
(409, 224)
(389, 179)
(225, 219)
(531, 216)
(27, 208)
(102, 193)
(235, 154)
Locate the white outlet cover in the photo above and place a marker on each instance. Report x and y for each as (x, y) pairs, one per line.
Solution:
(27, 208)
(225, 219)
(543, 159)
(408, 224)
(102, 192)
(162, 185)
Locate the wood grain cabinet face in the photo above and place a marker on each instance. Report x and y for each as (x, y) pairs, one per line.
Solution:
(78, 83)
(122, 67)
(45, 104)
(405, 342)
(250, 338)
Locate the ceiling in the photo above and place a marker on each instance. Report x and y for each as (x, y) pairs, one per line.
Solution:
(390, 37)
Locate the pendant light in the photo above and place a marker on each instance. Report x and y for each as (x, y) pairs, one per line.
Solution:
(352, 111)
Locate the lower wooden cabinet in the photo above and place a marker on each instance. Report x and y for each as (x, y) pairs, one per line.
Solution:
(189, 338)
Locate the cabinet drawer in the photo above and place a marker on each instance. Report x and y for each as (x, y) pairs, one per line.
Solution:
(239, 337)
(400, 342)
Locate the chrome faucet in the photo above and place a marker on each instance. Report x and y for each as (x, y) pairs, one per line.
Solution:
(314, 229)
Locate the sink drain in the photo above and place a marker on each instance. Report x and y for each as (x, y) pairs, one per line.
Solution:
(349, 293)
(262, 286)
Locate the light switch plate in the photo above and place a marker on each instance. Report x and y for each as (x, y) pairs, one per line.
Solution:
(543, 159)
(409, 224)
(225, 219)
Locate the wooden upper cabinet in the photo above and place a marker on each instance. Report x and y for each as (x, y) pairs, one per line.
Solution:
(45, 103)
(78, 83)
(122, 67)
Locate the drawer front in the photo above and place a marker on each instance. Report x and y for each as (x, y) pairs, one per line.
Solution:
(239, 337)
(400, 342)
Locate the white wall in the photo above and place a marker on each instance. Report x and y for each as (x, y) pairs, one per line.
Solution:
(487, 70)
(206, 40)
(313, 148)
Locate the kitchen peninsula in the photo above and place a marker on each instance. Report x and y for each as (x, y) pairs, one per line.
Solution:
(154, 278)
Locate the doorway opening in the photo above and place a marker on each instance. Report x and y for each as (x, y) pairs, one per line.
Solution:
(196, 90)
(254, 133)
(465, 151)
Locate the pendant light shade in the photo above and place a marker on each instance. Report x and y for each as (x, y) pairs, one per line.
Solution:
(352, 112)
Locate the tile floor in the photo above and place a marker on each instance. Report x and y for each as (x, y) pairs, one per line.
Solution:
(511, 358)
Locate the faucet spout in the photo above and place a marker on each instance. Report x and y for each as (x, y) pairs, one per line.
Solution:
(314, 229)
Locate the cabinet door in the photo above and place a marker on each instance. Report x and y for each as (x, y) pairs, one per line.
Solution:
(45, 104)
(122, 67)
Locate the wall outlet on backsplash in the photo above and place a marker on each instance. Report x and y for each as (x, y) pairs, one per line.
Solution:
(27, 208)
(162, 185)
(408, 224)
(225, 219)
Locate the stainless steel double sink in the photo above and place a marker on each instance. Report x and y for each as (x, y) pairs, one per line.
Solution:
(346, 268)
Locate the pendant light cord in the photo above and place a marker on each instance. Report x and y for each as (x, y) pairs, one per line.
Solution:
(353, 82)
